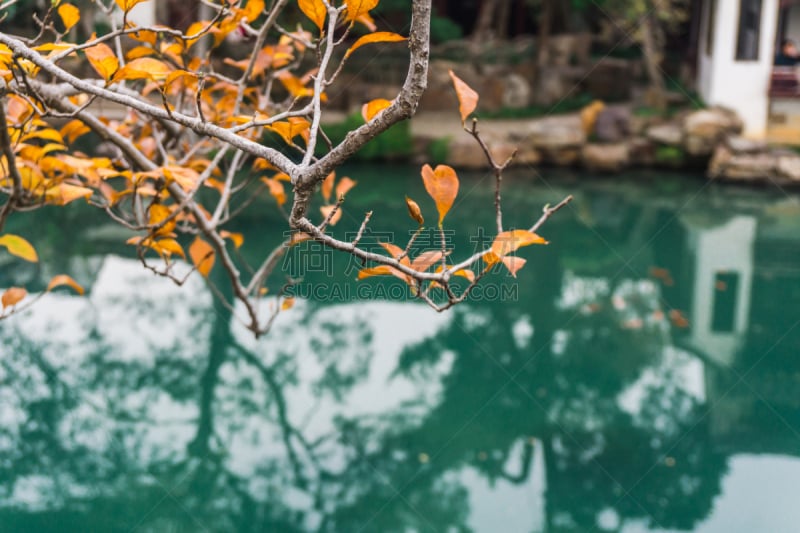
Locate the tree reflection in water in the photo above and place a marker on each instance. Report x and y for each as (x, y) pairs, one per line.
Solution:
(146, 407)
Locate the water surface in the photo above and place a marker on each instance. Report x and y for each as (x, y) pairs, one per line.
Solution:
(641, 374)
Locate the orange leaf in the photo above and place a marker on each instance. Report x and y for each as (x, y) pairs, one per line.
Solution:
(314, 10)
(372, 108)
(467, 97)
(377, 37)
(202, 255)
(63, 279)
(236, 238)
(158, 214)
(103, 60)
(168, 247)
(126, 5)
(74, 129)
(510, 241)
(425, 260)
(327, 186)
(253, 10)
(513, 264)
(442, 186)
(287, 304)
(143, 68)
(414, 211)
(70, 15)
(276, 190)
(357, 8)
(344, 185)
(394, 250)
(381, 270)
(64, 193)
(326, 211)
(13, 296)
(19, 247)
(184, 176)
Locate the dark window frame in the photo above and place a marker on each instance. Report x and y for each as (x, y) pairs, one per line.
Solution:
(748, 34)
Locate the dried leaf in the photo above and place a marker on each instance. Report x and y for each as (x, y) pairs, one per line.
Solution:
(358, 8)
(103, 60)
(202, 255)
(236, 238)
(327, 186)
(126, 5)
(467, 97)
(143, 68)
(276, 190)
(62, 280)
(377, 37)
(414, 211)
(344, 185)
(70, 15)
(425, 260)
(19, 247)
(64, 193)
(315, 10)
(13, 296)
(373, 107)
(442, 186)
(510, 241)
(326, 211)
(513, 263)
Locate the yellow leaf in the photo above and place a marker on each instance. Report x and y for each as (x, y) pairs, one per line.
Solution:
(103, 60)
(143, 68)
(287, 304)
(315, 10)
(70, 15)
(19, 247)
(327, 186)
(139, 51)
(63, 279)
(381, 270)
(467, 98)
(253, 10)
(373, 107)
(276, 190)
(357, 8)
(414, 211)
(236, 238)
(168, 247)
(326, 211)
(13, 296)
(184, 176)
(64, 193)
(158, 214)
(126, 5)
(74, 129)
(377, 37)
(510, 241)
(442, 186)
(290, 129)
(344, 185)
(202, 255)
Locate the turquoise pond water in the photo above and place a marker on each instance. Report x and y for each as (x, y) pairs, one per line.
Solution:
(642, 373)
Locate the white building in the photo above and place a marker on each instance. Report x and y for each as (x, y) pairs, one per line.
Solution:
(737, 47)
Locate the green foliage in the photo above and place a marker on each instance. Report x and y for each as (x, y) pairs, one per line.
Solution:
(567, 105)
(670, 155)
(438, 149)
(443, 29)
(393, 144)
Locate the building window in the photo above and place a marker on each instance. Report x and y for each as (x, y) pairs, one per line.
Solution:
(749, 30)
(711, 27)
(726, 289)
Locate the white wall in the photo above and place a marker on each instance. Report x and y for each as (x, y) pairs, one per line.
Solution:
(740, 85)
